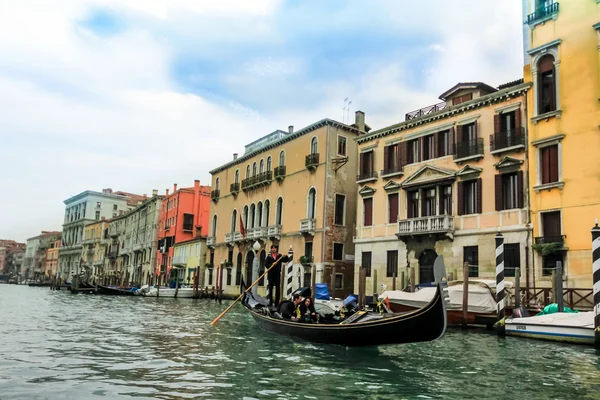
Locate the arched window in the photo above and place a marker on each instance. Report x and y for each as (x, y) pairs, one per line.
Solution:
(269, 164)
(251, 221)
(267, 210)
(254, 169)
(311, 206)
(281, 158)
(214, 226)
(314, 146)
(248, 171)
(245, 217)
(217, 184)
(261, 169)
(233, 220)
(546, 84)
(279, 214)
(259, 214)
(237, 176)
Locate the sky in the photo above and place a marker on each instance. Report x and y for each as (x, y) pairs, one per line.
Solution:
(137, 95)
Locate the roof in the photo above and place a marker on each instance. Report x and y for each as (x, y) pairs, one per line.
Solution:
(287, 138)
(479, 102)
(196, 239)
(132, 199)
(467, 85)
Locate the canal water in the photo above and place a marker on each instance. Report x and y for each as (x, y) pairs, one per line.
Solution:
(54, 345)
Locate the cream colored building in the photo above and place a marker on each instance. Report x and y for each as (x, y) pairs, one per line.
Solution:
(294, 188)
(189, 257)
(95, 248)
(445, 181)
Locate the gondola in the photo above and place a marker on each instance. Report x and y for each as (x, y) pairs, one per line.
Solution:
(363, 328)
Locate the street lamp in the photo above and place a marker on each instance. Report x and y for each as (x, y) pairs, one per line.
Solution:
(256, 248)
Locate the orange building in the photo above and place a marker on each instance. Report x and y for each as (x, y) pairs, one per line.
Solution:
(184, 216)
(51, 267)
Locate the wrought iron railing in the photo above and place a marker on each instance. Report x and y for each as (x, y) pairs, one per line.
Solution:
(312, 160)
(543, 12)
(279, 172)
(366, 175)
(425, 111)
(506, 139)
(468, 148)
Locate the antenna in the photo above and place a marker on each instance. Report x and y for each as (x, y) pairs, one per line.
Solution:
(344, 109)
(348, 113)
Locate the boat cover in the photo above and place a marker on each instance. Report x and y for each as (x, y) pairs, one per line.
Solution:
(321, 291)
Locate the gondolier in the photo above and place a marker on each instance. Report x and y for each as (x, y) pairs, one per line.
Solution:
(274, 275)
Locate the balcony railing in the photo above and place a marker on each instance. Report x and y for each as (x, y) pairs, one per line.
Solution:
(274, 231)
(180, 260)
(215, 194)
(543, 13)
(279, 172)
(210, 241)
(425, 111)
(550, 239)
(425, 225)
(237, 236)
(264, 178)
(188, 227)
(312, 160)
(234, 188)
(261, 232)
(393, 170)
(507, 140)
(229, 237)
(469, 148)
(366, 176)
(307, 225)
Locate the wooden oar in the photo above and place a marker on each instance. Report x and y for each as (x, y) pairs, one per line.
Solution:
(246, 291)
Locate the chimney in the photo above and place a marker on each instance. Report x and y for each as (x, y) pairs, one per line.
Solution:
(196, 183)
(154, 192)
(290, 129)
(167, 192)
(174, 187)
(235, 156)
(359, 120)
(145, 195)
(108, 190)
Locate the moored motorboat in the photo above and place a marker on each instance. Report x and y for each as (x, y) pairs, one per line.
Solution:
(561, 327)
(362, 328)
(181, 293)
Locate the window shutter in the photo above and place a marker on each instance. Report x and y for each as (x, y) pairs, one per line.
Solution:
(361, 164)
(436, 138)
(545, 156)
(421, 148)
(450, 149)
(496, 123)
(460, 199)
(402, 156)
(520, 190)
(409, 205)
(518, 119)
(386, 158)
(368, 209)
(479, 195)
(459, 133)
(498, 192)
(475, 134)
(393, 200)
(553, 155)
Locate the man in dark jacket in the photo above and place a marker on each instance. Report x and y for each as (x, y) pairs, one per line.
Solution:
(274, 275)
(289, 309)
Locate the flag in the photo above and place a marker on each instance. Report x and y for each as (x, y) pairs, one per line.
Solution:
(242, 229)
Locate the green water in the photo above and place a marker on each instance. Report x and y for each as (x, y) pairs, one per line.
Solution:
(55, 345)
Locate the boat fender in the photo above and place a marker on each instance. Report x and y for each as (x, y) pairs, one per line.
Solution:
(379, 307)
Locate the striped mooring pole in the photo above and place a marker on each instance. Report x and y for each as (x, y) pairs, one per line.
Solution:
(290, 274)
(500, 282)
(596, 275)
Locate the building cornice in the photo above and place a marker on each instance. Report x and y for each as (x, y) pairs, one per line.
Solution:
(474, 104)
(288, 138)
(87, 193)
(544, 47)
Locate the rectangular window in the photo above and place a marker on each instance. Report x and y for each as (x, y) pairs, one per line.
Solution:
(392, 263)
(368, 211)
(507, 121)
(443, 143)
(339, 281)
(549, 164)
(340, 206)
(412, 208)
(471, 256)
(471, 197)
(308, 251)
(462, 99)
(341, 146)
(413, 151)
(549, 263)
(428, 147)
(512, 258)
(393, 208)
(366, 262)
(228, 276)
(366, 164)
(551, 226)
(97, 215)
(391, 159)
(188, 222)
(98, 204)
(428, 203)
(510, 191)
(338, 251)
(229, 257)
(114, 207)
(547, 95)
(210, 276)
(445, 200)
(469, 133)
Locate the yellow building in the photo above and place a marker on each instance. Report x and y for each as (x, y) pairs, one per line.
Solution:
(445, 181)
(95, 248)
(562, 61)
(51, 267)
(316, 215)
(187, 256)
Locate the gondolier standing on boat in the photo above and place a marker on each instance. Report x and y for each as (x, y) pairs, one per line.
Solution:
(274, 275)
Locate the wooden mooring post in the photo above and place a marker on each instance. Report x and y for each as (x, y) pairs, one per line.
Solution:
(517, 287)
(412, 279)
(362, 284)
(560, 302)
(465, 299)
(374, 279)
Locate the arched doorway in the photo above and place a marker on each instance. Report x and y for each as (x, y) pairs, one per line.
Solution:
(249, 261)
(261, 267)
(426, 261)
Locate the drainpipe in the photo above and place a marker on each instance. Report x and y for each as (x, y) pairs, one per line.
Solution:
(528, 205)
(324, 240)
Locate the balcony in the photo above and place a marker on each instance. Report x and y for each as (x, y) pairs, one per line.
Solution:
(188, 227)
(308, 225)
(215, 194)
(366, 176)
(274, 231)
(234, 188)
(261, 232)
(279, 172)
(180, 261)
(543, 13)
(210, 241)
(113, 254)
(237, 236)
(468, 150)
(425, 111)
(550, 239)
(425, 225)
(312, 160)
(392, 171)
(229, 238)
(264, 178)
(513, 139)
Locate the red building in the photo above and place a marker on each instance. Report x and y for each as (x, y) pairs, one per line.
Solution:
(184, 216)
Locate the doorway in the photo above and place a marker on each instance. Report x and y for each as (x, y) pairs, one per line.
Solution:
(249, 261)
(426, 261)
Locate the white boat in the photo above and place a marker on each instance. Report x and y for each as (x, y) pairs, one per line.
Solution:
(183, 292)
(561, 327)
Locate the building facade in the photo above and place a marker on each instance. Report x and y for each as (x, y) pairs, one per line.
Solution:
(51, 267)
(444, 182)
(34, 263)
(189, 258)
(315, 215)
(95, 249)
(80, 210)
(183, 217)
(562, 62)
